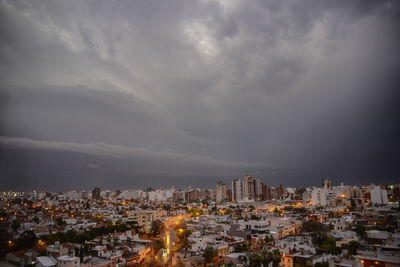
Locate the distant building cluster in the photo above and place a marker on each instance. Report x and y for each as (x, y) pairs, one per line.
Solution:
(242, 223)
(250, 189)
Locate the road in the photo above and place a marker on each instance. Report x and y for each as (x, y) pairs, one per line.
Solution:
(169, 237)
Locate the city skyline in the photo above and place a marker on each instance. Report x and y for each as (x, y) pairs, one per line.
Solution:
(228, 185)
(206, 133)
(135, 94)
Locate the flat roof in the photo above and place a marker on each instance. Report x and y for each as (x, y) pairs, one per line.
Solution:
(46, 261)
(384, 258)
(67, 258)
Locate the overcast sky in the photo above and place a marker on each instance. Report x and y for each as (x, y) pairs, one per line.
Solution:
(130, 94)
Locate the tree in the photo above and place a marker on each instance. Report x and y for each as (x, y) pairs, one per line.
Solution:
(241, 248)
(61, 222)
(27, 240)
(268, 238)
(255, 260)
(329, 245)
(266, 257)
(360, 230)
(35, 220)
(183, 235)
(158, 244)
(156, 227)
(353, 246)
(71, 235)
(353, 204)
(318, 238)
(325, 243)
(276, 257)
(133, 225)
(15, 225)
(209, 254)
(328, 242)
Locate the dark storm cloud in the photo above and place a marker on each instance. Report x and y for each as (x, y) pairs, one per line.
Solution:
(103, 163)
(288, 91)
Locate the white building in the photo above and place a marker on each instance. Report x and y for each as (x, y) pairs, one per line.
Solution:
(326, 184)
(248, 187)
(237, 190)
(379, 196)
(68, 261)
(252, 187)
(130, 194)
(45, 261)
(220, 193)
(161, 195)
(326, 195)
(318, 196)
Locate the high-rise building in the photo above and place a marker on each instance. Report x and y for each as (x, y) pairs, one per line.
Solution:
(192, 195)
(96, 193)
(178, 195)
(247, 179)
(257, 189)
(266, 192)
(281, 192)
(228, 195)
(237, 190)
(379, 196)
(220, 192)
(326, 184)
(249, 187)
(318, 196)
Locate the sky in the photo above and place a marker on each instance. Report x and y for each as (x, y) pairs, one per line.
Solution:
(131, 94)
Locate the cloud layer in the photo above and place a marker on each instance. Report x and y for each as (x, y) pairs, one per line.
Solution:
(287, 91)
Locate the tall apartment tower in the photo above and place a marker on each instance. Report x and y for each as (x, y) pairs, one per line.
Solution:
(220, 192)
(266, 192)
(237, 190)
(246, 186)
(378, 196)
(252, 188)
(249, 187)
(326, 184)
(281, 192)
(257, 189)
